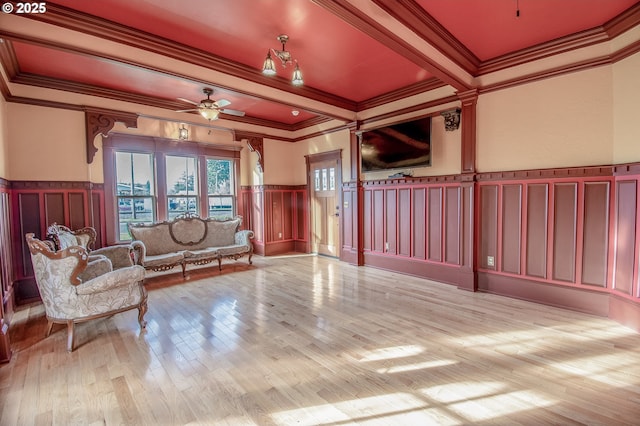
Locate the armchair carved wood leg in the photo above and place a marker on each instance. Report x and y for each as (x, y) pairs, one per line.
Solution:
(220, 263)
(49, 328)
(184, 269)
(70, 329)
(142, 309)
(250, 262)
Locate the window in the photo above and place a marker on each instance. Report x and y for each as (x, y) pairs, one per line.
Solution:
(220, 188)
(151, 179)
(182, 185)
(134, 190)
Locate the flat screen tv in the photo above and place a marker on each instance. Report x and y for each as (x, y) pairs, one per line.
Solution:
(398, 146)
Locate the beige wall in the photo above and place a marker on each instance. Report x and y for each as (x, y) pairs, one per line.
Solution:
(4, 139)
(578, 119)
(626, 111)
(46, 144)
(563, 121)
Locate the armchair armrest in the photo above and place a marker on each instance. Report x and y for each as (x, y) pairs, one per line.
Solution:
(96, 266)
(118, 278)
(120, 256)
(243, 237)
(139, 251)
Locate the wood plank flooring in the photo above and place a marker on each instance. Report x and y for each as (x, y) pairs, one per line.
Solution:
(305, 340)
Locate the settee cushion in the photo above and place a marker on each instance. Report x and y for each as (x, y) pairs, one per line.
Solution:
(159, 260)
(221, 233)
(156, 238)
(195, 255)
(232, 250)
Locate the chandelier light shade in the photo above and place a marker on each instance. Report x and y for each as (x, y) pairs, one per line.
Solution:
(269, 66)
(297, 77)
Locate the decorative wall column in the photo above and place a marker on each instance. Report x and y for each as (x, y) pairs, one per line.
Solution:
(470, 243)
(353, 213)
(468, 119)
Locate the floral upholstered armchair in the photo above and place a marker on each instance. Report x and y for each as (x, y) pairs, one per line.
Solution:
(120, 256)
(74, 291)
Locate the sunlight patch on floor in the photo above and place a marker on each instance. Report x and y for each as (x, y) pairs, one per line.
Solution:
(395, 404)
(392, 352)
(483, 401)
(608, 369)
(416, 366)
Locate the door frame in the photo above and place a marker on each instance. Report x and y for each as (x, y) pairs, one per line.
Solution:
(310, 159)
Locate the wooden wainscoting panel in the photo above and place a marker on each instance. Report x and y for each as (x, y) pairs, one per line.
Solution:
(378, 220)
(77, 210)
(349, 207)
(511, 250)
(626, 218)
(405, 234)
(536, 237)
(96, 210)
(301, 216)
(391, 221)
(367, 225)
(420, 229)
(28, 221)
(452, 225)
(595, 233)
(488, 244)
(257, 205)
(565, 200)
(54, 208)
(435, 224)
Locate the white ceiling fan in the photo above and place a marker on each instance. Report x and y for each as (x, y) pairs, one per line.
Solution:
(209, 108)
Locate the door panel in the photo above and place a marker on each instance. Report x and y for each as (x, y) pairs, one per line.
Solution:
(325, 207)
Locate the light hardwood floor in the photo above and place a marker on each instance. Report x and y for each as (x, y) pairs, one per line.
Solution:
(307, 340)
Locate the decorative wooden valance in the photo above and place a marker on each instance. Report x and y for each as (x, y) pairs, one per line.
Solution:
(101, 121)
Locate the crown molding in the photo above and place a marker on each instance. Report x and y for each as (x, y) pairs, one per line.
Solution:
(413, 16)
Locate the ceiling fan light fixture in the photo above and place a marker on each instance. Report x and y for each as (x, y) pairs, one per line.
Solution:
(269, 67)
(209, 113)
(297, 80)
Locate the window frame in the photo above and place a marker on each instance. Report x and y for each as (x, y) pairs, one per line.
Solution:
(159, 148)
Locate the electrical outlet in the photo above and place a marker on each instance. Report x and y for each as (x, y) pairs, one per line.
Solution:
(490, 261)
(386, 246)
(279, 234)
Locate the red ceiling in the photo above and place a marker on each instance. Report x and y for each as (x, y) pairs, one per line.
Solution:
(491, 28)
(343, 51)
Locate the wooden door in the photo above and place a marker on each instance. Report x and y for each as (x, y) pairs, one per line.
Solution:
(324, 182)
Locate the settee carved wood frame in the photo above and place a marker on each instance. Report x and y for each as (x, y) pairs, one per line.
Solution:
(188, 216)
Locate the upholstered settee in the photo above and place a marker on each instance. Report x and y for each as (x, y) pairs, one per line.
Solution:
(192, 240)
(74, 290)
(120, 256)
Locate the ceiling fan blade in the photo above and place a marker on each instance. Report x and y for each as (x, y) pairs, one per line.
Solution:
(221, 103)
(188, 101)
(187, 110)
(233, 112)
